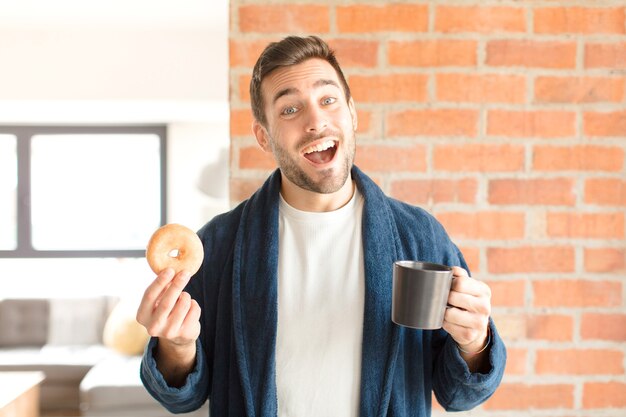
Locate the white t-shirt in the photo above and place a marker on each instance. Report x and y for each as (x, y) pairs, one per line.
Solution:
(321, 290)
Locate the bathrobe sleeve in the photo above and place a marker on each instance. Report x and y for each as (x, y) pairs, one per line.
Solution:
(203, 287)
(195, 391)
(422, 237)
(187, 398)
(458, 389)
(212, 347)
(455, 387)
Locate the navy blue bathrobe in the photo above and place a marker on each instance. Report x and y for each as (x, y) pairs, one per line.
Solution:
(237, 291)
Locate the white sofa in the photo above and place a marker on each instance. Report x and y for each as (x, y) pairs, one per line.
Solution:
(60, 337)
(113, 388)
(63, 338)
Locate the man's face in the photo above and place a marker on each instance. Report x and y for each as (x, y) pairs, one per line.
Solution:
(310, 126)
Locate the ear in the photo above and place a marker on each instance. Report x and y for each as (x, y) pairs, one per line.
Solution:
(355, 121)
(262, 136)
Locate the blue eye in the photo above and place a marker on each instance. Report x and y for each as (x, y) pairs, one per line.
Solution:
(329, 100)
(289, 111)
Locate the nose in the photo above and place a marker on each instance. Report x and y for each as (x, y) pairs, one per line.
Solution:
(317, 120)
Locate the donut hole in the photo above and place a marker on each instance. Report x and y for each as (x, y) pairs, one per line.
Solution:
(173, 253)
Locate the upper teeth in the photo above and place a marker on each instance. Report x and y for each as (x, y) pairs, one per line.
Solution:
(320, 146)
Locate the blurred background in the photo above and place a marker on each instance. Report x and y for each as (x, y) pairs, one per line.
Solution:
(506, 119)
(112, 73)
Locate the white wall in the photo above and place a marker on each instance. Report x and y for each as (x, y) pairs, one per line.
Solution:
(197, 172)
(115, 50)
(76, 63)
(116, 62)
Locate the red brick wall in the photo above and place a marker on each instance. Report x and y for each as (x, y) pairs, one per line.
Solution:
(507, 120)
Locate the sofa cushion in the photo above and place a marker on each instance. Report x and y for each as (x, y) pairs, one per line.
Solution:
(61, 337)
(122, 332)
(78, 321)
(59, 363)
(23, 322)
(115, 382)
(59, 321)
(113, 388)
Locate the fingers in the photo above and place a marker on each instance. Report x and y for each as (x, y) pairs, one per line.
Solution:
(470, 294)
(465, 326)
(464, 335)
(458, 271)
(152, 295)
(191, 324)
(467, 319)
(470, 299)
(167, 311)
(171, 293)
(461, 282)
(177, 316)
(183, 324)
(472, 303)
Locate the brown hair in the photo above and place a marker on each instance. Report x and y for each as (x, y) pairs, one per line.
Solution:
(292, 50)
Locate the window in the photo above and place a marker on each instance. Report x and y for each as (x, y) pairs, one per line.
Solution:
(8, 192)
(80, 191)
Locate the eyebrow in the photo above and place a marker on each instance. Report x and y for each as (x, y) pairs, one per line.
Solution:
(289, 90)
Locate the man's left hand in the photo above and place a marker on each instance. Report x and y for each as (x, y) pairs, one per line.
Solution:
(467, 319)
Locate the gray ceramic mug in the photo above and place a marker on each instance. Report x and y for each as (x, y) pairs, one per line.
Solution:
(420, 294)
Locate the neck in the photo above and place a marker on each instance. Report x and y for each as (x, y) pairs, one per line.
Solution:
(306, 200)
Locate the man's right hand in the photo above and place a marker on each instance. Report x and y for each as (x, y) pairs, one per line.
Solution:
(170, 314)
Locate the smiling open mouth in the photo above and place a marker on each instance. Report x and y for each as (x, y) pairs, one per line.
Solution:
(322, 152)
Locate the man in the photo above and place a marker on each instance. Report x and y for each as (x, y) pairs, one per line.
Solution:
(290, 312)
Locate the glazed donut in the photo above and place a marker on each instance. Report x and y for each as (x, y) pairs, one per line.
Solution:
(175, 246)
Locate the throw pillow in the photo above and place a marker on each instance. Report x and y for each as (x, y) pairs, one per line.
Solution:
(122, 333)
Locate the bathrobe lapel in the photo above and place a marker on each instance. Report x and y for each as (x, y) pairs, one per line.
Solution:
(255, 285)
(255, 296)
(380, 336)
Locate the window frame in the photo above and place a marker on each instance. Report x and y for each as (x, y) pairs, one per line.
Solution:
(24, 135)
